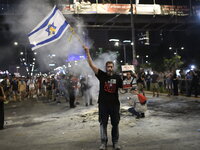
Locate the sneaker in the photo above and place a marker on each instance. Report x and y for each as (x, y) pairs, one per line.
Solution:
(58, 102)
(102, 146)
(142, 115)
(6, 102)
(138, 117)
(116, 146)
(73, 106)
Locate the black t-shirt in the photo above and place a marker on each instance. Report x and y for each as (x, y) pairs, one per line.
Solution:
(141, 77)
(14, 85)
(49, 87)
(54, 83)
(155, 78)
(108, 92)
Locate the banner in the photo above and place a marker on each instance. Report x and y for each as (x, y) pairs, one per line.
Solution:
(139, 9)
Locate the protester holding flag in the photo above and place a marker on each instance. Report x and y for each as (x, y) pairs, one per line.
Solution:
(108, 100)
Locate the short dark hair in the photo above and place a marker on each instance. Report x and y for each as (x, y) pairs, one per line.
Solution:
(109, 62)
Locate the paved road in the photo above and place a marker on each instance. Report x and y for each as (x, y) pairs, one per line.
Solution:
(170, 123)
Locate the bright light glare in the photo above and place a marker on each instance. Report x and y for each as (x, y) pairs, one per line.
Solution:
(182, 48)
(138, 56)
(114, 40)
(116, 44)
(127, 41)
(192, 67)
(170, 47)
(15, 43)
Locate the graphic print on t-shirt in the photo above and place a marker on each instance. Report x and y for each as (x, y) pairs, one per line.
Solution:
(110, 86)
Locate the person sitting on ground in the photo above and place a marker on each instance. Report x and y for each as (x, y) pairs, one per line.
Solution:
(138, 108)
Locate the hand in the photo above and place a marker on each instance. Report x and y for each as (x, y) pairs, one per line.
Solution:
(86, 48)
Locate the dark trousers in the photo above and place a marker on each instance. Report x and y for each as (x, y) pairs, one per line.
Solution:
(194, 86)
(148, 85)
(133, 111)
(1, 114)
(71, 99)
(175, 84)
(105, 112)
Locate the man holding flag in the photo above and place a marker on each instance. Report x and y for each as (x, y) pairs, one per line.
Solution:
(50, 30)
(108, 100)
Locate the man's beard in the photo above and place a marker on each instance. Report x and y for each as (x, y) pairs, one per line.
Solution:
(110, 72)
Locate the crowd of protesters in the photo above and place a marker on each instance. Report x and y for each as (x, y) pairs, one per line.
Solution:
(70, 86)
(49, 88)
(171, 82)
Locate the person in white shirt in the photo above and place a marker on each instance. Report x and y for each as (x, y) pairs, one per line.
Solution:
(137, 108)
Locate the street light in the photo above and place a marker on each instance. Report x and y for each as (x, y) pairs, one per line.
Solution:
(116, 44)
(192, 67)
(15, 43)
(17, 69)
(176, 49)
(23, 53)
(127, 41)
(114, 40)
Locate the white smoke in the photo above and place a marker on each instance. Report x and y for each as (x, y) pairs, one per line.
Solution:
(33, 12)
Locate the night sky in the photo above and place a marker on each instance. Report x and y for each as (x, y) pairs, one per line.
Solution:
(157, 50)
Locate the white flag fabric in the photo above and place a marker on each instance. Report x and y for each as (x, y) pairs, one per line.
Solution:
(50, 29)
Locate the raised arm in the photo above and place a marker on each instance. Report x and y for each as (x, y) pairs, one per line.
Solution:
(89, 60)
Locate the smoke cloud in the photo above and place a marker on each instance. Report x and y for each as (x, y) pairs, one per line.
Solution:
(33, 12)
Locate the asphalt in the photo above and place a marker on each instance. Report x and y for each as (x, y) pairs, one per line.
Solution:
(170, 123)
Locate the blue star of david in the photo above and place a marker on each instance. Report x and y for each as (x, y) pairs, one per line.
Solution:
(51, 29)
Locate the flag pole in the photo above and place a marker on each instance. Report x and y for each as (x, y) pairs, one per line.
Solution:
(76, 35)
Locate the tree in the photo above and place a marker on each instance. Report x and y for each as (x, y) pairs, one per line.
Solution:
(173, 63)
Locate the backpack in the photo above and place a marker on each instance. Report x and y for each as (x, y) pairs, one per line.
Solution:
(142, 99)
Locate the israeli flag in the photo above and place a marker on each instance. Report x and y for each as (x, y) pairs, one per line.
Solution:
(48, 30)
